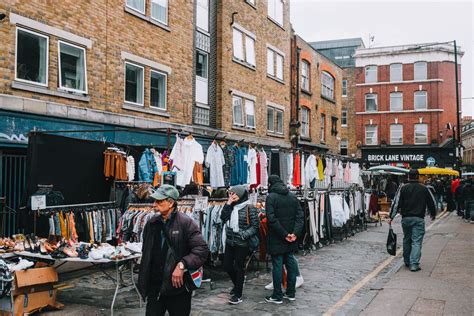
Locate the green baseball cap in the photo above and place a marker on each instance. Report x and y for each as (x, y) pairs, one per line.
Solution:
(164, 192)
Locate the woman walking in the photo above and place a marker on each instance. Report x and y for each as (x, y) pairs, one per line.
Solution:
(242, 226)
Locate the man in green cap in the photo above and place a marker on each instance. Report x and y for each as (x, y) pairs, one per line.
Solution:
(172, 243)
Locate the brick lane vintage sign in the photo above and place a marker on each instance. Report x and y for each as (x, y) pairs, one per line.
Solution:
(395, 158)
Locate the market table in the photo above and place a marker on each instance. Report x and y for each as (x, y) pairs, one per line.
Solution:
(120, 287)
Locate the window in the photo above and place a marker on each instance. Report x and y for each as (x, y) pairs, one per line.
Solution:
(396, 134)
(252, 2)
(274, 120)
(370, 74)
(344, 118)
(344, 88)
(421, 72)
(275, 11)
(305, 75)
(334, 126)
(159, 10)
(343, 147)
(274, 64)
(32, 57)
(322, 136)
(202, 14)
(201, 64)
(421, 134)
(420, 100)
(396, 72)
(305, 116)
(133, 84)
(371, 135)
(327, 85)
(243, 112)
(158, 90)
(138, 5)
(239, 38)
(396, 101)
(370, 102)
(72, 64)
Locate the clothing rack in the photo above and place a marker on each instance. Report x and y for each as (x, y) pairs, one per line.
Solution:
(79, 207)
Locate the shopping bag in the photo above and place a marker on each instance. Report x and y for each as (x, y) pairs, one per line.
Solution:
(391, 242)
(193, 279)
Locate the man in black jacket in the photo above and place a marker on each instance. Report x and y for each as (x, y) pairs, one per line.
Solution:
(172, 243)
(412, 199)
(285, 220)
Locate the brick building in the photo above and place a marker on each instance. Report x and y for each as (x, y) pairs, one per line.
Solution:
(319, 97)
(342, 52)
(405, 104)
(467, 137)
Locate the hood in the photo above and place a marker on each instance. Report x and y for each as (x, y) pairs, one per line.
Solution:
(279, 188)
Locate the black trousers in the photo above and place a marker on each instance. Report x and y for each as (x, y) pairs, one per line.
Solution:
(176, 305)
(234, 263)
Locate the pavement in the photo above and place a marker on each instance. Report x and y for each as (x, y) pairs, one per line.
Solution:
(351, 277)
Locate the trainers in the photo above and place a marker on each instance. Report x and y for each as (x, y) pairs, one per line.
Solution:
(271, 299)
(289, 297)
(414, 268)
(269, 286)
(299, 281)
(234, 300)
(232, 292)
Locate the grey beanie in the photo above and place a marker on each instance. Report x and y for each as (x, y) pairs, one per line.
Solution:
(239, 190)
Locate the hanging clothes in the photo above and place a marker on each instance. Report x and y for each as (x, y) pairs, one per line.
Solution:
(215, 161)
(347, 173)
(147, 166)
(192, 153)
(311, 171)
(320, 168)
(303, 170)
(259, 170)
(263, 168)
(229, 161)
(296, 170)
(289, 159)
(252, 166)
(283, 167)
(130, 168)
(240, 169)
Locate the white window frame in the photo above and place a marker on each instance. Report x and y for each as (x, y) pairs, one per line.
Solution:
(242, 105)
(205, 9)
(59, 68)
(244, 48)
(166, 16)
(125, 84)
(396, 137)
(305, 78)
(344, 88)
(270, 62)
(344, 144)
(375, 135)
(135, 9)
(244, 101)
(327, 85)
(272, 4)
(47, 58)
(369, 96)
(371, 68)
(273, 64)
(344, 113)
(277, 111)
(272, 109)
(322, 136)
(415, 72)
(399, 67)
(166, 89)
(425, 93)
(393, 96)
(414, 134)
(305, 125)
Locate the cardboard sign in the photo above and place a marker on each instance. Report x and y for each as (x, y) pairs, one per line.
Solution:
(253, 199)
(38, 202)
(201, 203)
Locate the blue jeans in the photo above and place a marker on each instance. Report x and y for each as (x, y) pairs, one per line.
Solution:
(413, 233)
(291, 266)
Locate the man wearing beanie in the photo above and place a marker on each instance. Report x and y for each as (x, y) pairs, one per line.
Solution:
(411, 200)
(285, 220)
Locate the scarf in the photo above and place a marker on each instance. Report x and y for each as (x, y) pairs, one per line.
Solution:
(234, 217)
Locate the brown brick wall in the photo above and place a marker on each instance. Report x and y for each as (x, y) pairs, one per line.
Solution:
(348, 103)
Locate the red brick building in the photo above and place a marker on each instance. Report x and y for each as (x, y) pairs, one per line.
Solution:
(405, 104)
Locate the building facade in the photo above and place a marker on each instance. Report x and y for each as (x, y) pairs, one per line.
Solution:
(317, 99)
(467, 137)
(342, 53)
(406, 104)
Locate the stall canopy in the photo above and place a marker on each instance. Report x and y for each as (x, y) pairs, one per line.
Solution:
(388, 169)
(439, 171)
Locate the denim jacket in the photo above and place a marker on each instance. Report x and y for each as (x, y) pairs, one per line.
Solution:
(147, 166)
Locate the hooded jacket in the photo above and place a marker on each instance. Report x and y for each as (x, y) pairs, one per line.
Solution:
(248, 223)
(284, 216)
(187, 245)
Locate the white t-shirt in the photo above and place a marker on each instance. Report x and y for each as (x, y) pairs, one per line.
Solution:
(215, 162)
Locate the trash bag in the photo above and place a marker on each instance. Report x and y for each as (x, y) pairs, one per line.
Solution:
(391, 242)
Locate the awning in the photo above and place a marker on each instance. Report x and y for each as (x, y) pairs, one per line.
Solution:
(388, 169)
(440, 171)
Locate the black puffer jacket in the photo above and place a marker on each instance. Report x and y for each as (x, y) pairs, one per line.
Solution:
(284, 216)
(185, 238)
(248, 223)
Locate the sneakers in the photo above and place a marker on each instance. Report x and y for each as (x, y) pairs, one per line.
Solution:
(289, 297)
(273, 300)
(414, 268)
(299, 283)
(234, 300)
(232, 292)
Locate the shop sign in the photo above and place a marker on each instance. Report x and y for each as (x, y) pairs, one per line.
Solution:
(430, 161)
(201, 203)
(396, 158)
(38, 202)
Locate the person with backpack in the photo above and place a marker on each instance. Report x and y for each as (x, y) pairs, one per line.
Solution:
(241, 237)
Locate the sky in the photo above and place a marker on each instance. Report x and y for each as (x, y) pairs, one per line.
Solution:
(393, 23)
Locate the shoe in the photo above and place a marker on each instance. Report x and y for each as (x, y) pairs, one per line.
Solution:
(232, 292)
(271, 299)
(414, 268)
(269, 286)
(234, 300)
(299, 281)
(289, 297)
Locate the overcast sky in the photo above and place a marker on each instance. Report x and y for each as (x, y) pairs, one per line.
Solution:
(393, 23)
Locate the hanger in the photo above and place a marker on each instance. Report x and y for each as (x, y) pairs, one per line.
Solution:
(190, 137)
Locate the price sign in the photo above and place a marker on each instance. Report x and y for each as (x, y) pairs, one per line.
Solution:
(201, 203)
(253, 199)
(38, 202)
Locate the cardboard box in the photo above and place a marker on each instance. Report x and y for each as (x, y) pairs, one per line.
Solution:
(35, 277)
(29, 303)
